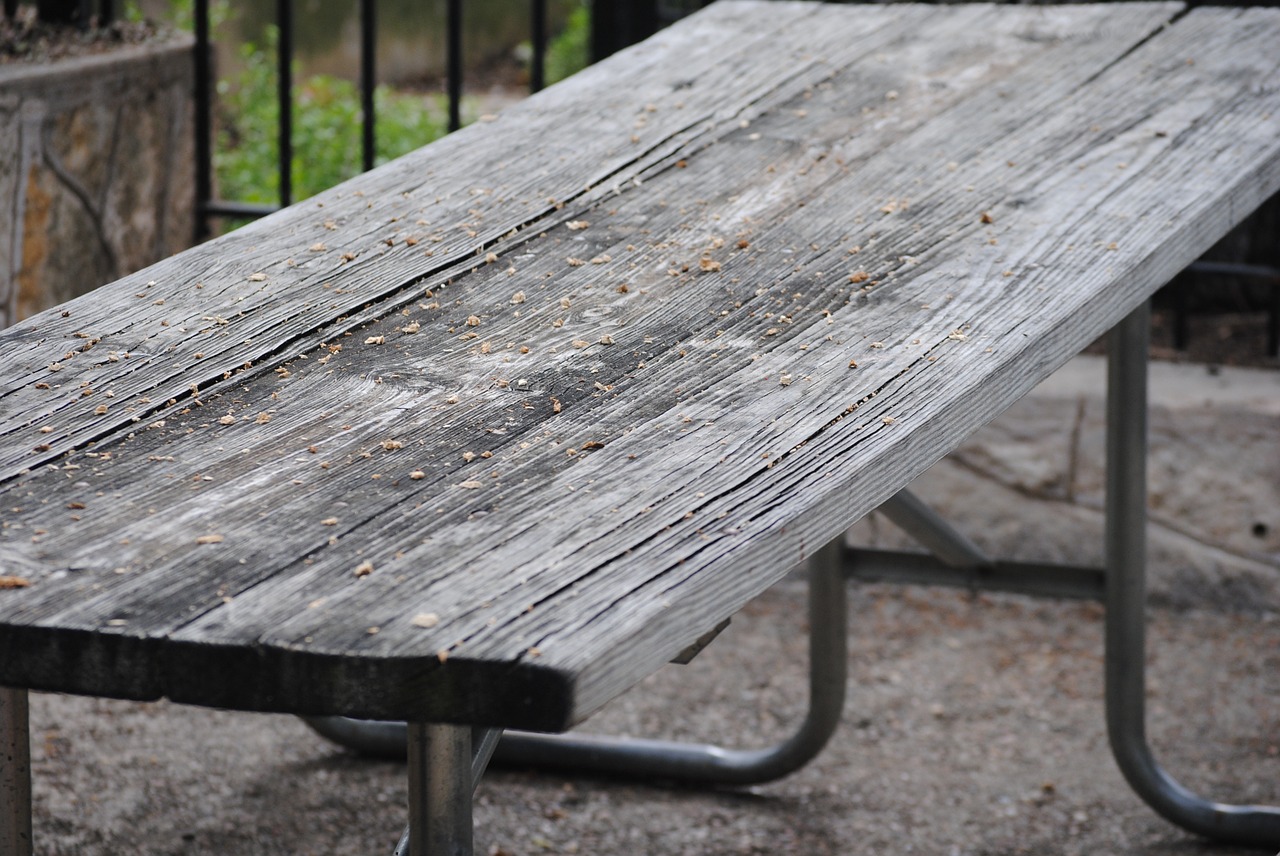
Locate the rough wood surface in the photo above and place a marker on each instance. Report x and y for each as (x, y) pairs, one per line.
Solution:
(492, 432)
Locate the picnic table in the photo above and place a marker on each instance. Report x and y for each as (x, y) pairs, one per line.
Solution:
(483, 437)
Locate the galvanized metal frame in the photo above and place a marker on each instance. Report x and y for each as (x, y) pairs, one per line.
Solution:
(1125, 630)
(954, 560)
(660, 759)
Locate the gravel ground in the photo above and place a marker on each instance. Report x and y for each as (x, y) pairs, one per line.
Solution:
(973, 724)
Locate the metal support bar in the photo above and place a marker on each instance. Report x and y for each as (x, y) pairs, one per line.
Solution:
(684, 762)
(1030, 578)
(932, 532)
(483, 742)
(15, 774)
(440, 785)
(1126, 519)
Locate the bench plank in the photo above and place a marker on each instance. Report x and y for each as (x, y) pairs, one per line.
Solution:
(663, 452)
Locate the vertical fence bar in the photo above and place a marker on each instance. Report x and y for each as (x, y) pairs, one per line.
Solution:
(368, 81)
(11, 8)
(453, 51)
(106, 12)
(203, 121)
(284, 88)
(538, 35)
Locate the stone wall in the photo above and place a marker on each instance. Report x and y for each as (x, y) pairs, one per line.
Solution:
(97, 170)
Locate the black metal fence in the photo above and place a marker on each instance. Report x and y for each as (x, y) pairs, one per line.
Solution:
(614, 26)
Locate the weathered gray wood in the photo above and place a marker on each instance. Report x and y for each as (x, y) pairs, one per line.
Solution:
(566, 471)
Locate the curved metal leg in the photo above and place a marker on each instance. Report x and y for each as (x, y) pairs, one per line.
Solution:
(685, 762)
(15, 774)
(483, 742)
(440, 786)
(1126, 599)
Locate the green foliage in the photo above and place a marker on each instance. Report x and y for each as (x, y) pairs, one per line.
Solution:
(326, 129)
(570, 51)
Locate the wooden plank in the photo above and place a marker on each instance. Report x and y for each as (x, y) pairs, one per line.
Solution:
(666, 515)
(278, 287)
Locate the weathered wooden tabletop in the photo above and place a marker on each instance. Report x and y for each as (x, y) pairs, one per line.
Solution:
(490, 433)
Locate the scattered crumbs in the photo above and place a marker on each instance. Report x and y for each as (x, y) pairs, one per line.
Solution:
(376, 340)
(226, 420)
(329, 521)
(957, 336)
(517, 298)
(853, 364)
(987, 218)
(392, 445)
(606, 339)
(262, 418)
(784, 379)
(425, 619)
(888, 420)
(470, 484)
(859, 276)
(209, 539)
(581, 343)
(575, 262)
(473, 321)
(453, 399)
(100, 410)
(364, 568)
(411, 327)
(708, 265)
(565, 303)
(373, 631)
(417, 475)
(14, 582)
(490, 257)
(877, 344)
(602, 259)
(257, 277)
(555, 405)
(577, 225)
(535, 652)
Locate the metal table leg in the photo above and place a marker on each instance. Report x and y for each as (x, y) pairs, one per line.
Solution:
(440, 786)
(660, 759)
(15, 774)
(1126, 600)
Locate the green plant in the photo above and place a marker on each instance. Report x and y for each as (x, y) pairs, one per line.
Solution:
(569, 52)
(326, 129)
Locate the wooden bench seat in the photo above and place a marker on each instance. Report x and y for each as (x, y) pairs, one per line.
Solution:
(487, 435)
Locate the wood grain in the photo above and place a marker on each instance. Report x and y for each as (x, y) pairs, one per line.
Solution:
(689, 315)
